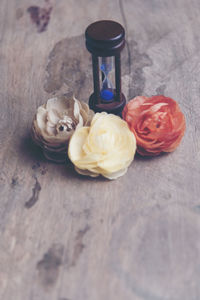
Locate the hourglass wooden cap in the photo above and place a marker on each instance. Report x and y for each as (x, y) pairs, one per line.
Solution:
(105, 38)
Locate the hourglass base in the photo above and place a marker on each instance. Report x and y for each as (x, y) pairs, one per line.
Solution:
(113, 107)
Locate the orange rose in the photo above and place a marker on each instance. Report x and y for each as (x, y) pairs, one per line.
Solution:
(157, 122)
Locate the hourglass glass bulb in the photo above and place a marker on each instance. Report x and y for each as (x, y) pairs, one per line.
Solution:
(106, 92)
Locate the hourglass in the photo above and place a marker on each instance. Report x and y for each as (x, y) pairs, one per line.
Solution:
(105, 40)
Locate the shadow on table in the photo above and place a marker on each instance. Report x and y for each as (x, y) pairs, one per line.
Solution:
(141, 158)
(31, 153)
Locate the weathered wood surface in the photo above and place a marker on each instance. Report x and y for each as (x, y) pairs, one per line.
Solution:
(65, 237)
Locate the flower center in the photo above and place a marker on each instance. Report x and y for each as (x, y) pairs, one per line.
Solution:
(155, 121)
(66, 124)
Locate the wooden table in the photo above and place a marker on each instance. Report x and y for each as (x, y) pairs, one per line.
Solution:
(67, 237)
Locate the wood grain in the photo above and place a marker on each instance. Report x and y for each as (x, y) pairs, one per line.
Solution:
(67, 237)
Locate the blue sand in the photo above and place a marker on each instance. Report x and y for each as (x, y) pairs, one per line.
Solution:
(106, 95)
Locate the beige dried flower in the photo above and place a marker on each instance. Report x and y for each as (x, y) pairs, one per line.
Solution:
(55, 122)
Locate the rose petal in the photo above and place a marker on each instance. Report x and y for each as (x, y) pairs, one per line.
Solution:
(52, 116)
(41, 117)
(86, 172)
(58, 104)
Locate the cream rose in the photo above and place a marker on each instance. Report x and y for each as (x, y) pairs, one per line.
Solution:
(55, 122)
(107, 147)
